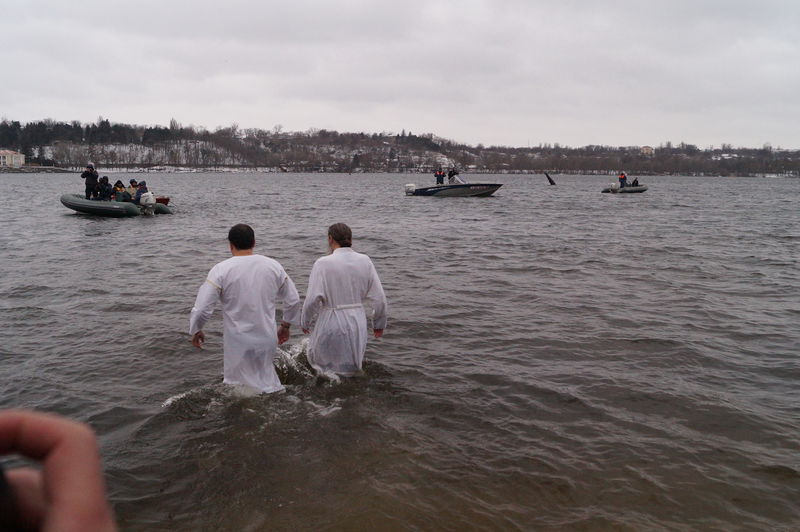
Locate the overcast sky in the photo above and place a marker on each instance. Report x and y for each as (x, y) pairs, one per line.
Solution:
(510, 72)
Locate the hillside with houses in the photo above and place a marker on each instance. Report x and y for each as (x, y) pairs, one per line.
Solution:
(48, 143)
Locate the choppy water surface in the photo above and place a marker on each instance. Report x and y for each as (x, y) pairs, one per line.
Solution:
(556, 358)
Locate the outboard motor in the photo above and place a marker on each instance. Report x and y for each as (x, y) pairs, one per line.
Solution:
(148, 203)
(410, 188)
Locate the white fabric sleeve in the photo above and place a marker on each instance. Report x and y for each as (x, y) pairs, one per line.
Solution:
(207, 298)
(376, 299)
(291, 300)
(315, 298)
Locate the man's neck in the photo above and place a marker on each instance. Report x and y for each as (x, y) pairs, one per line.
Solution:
(241, 252)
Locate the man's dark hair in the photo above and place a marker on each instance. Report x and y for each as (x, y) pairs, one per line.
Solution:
(242, 236)
(341, 234)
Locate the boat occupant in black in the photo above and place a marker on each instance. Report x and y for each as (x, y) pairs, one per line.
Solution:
(452, 177)
(104, 189)
(90, 178)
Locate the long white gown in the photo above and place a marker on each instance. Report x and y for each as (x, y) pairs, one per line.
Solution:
(249, 287)
(340, 285)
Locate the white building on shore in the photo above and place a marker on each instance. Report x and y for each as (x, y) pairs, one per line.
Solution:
(14, 159)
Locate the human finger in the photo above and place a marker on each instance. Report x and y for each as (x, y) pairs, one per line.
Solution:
(73, 479)
(30, 506)
(9, 506)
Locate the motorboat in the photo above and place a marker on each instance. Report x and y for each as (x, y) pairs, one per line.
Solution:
(614, 188)
(461, 190)
(114, 209)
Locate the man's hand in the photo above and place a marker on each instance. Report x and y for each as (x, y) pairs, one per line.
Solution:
(68, 494)
(306, 331)
(283, 333)
(198, 339)
(378, 332)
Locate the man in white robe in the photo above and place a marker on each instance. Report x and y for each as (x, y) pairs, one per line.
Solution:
(249, 286)
(340, 285)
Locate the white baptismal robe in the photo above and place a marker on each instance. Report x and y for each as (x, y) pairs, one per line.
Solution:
(248, 287)
(340, 285)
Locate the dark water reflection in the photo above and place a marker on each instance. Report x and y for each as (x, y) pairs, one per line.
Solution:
(556, 359)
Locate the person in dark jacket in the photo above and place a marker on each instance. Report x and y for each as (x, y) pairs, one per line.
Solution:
(90, 178)
(139, 191)
(452, 177)
(104, 189)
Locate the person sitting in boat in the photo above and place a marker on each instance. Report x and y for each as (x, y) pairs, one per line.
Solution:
(439, 175)
(90, 178)
(120, 194)
(635, 182)
(134, 186)
(452, 177)
(623, 180)
(139, 191)
(104, 189)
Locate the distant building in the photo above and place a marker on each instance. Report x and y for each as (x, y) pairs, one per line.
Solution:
(14, 159)
(647, 151)
(724, 156)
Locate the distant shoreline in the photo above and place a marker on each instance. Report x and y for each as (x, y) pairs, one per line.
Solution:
(35, 170)
(131, 148)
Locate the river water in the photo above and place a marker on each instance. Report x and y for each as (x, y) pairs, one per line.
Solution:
(556, 358)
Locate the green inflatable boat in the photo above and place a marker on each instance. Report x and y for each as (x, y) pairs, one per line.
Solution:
(115, 209)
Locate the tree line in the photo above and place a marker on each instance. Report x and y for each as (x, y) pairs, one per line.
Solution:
(72, 144)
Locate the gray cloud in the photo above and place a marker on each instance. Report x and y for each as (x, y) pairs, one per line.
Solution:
(502, 72)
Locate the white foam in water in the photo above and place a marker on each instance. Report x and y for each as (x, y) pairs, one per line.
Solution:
(290, 359)
(325, 411)
(331, 376)
(329, 410)
(241, 391)
(174, 398)
(283, 358)
(212, 393)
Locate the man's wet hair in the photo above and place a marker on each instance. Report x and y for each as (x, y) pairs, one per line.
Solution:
(242, 236)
